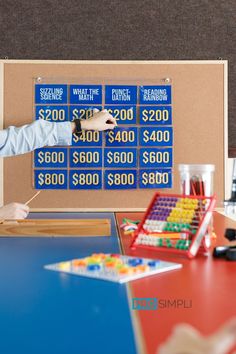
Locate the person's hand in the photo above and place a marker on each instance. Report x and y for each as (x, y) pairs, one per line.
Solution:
(99, 121)
(186, 339)
(14, 211)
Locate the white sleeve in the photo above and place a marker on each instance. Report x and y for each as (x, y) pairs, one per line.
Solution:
(16, 141)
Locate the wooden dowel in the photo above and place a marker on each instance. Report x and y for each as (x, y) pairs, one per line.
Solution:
(32, 198)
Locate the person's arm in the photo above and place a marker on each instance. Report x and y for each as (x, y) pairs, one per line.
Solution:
(16, 141)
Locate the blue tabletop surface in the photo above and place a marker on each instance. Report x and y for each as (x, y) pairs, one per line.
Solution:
(45, 312)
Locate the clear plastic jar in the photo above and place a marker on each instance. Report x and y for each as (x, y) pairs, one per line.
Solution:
(197, 179)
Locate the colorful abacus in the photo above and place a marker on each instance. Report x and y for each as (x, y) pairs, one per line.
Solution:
(175, 223)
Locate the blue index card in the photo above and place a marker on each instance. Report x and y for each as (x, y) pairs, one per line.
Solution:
(156, 136)
(50, 93)
(50, 179)
(155, 178)
(120, 179)
(120, 94)
(160, 94)
(155, 115)
(82, 112)
(122, 137)
(154, 157)
(50, 157)
(86, 157)
(120, 158)
(123, 114)
(85, 179)
(52, 113)
(86, 94)
(87, 138)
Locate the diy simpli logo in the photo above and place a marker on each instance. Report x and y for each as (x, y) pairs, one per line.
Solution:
(145, 303)
(153, 303)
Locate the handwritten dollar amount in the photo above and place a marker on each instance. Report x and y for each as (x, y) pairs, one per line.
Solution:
(155, 178)
(48, 179)
(156, 157)
(153, 115)
(86, 157)
(51, 157)
(120, 179)
(52, 114)
(85, 179)
(87, 136)
(156, 136)
(122, 114)
(121, 136)
(120, 157)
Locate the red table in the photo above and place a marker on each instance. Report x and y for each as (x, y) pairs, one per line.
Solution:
(206, 286)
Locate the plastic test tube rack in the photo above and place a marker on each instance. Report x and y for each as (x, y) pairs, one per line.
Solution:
(175, 224)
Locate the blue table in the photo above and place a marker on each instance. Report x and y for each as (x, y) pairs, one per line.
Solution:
(43, 312)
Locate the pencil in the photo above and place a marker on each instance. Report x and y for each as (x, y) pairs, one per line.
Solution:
(32, 198)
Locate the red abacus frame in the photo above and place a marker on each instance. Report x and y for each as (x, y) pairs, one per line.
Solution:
(199, 242)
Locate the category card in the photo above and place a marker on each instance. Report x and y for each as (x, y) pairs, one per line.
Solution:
(154, 178)
(120, 158)
(86, 179)
(122, 137)
(87, 138)
(86, 158)
(82, 112)
(86, 94)
(50, 179)
(158, 136)
(154, 157)
(123, 114)
(52, 113)
(47, 94)
(120, 94)
(50, 157)
(120, 179)
(155, 115)
(155, 94)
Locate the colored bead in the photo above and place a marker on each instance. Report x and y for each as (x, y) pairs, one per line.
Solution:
(92, 267)
(125, 270)
(134, 262)
(79, 262)
(64, 265)
(101, 255)
(153, 263)
(110, 264)
(118, 266)
(142, 268)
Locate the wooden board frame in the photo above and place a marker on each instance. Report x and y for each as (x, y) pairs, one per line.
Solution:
(223, 188)
(56, 228)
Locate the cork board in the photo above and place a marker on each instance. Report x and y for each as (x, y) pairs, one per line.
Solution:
(186, 30)
(198, 124)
